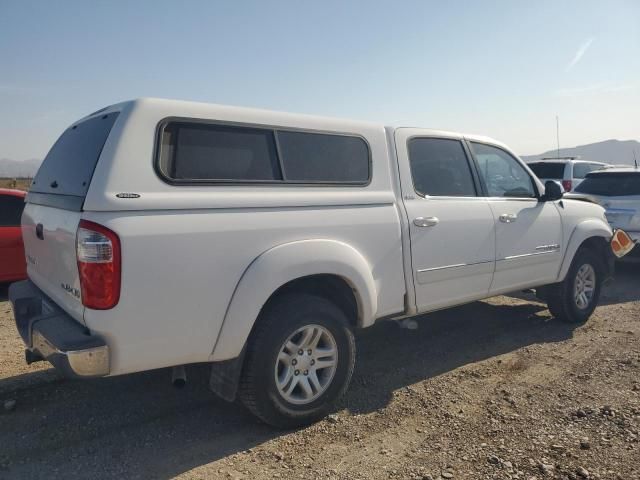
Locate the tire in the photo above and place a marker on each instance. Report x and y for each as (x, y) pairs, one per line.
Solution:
(291, 318)
(561, 297)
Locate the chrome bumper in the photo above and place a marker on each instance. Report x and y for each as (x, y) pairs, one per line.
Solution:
(90, 362)
(51, 334)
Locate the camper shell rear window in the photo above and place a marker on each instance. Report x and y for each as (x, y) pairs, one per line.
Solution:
(196, 152)
(68, 167)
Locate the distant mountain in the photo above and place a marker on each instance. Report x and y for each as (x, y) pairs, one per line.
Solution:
(619, 152)
(18, 168)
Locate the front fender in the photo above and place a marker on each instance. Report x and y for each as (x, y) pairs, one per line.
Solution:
(584, 230)
(282, 264)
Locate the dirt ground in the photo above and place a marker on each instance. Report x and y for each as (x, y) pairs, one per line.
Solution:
(17, 183)
(494, 389)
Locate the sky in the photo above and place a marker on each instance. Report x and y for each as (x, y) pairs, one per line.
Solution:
(498, 68)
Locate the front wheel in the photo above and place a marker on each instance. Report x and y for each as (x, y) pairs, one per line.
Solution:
(299, 361)
(575, 298)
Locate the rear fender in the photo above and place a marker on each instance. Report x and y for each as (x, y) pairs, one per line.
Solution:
(282, 264)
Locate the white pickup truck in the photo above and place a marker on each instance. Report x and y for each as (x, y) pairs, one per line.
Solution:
(162, 233)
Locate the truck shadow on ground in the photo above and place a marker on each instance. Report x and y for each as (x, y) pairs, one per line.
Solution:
(623, 288)
(140, 426)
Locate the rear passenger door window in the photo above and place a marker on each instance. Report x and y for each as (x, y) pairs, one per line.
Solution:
(440, 167)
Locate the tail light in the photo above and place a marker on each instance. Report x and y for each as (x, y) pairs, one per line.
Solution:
(566, 184)
(98, 254)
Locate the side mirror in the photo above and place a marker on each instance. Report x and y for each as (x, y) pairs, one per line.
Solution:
(552, 191)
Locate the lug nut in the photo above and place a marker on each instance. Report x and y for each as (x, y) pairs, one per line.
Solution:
(309, 351)
(297, 372)
(313, 362)
(294, 362)
(300, 352)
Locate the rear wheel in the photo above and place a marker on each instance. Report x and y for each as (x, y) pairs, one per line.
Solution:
(299, 362)
(575, 298)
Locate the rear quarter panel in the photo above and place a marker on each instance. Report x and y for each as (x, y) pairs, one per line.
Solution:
(180, 270)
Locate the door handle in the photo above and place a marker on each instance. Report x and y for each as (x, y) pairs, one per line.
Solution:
(426, 221)
(40, 231)
(508, 217)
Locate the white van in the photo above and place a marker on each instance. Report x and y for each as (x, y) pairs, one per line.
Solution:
(162, 233)
(568, 172)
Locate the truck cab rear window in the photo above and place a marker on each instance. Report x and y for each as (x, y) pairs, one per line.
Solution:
(193, 152)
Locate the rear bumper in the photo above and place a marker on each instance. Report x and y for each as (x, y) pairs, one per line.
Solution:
(50, 333)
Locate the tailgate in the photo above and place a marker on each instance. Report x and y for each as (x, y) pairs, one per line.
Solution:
(49, 236)
(54, 207)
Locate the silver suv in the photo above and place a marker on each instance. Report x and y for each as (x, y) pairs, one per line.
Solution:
(618, 191)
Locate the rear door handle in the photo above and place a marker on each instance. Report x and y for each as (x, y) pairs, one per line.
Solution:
(426, 221)
(508, 217)
(40, 231)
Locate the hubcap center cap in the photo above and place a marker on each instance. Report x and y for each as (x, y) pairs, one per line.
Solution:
(303, 361)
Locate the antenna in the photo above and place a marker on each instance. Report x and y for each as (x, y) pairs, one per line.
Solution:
(558, 134)
(635, 160)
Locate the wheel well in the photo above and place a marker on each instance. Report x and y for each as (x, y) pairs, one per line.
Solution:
(226, 375)
(598, 244)
(331, 287)
(600, 247)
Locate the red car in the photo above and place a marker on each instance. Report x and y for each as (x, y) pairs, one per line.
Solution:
(12, 263)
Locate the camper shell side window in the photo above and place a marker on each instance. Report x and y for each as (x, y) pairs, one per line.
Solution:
(197, 152)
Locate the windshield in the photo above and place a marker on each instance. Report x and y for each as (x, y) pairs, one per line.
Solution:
(553, 171)
(68, 167)
(615, 184)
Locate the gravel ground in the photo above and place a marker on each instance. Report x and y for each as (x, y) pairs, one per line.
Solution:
(494, 389)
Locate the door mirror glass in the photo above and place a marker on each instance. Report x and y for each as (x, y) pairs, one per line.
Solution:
(552, 191)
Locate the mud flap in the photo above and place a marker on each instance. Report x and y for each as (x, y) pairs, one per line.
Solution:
(225, 377)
